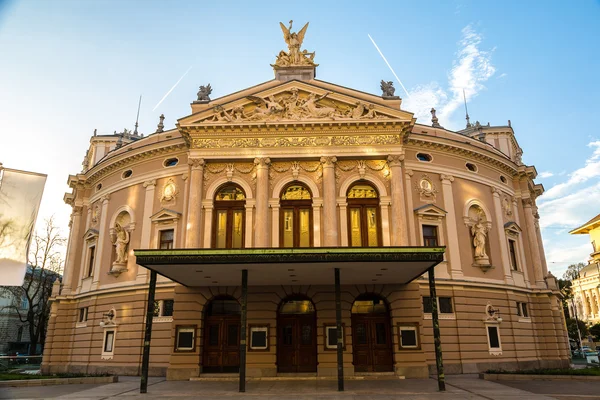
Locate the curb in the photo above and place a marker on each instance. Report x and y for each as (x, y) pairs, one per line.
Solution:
(59, 381)
(525, 377)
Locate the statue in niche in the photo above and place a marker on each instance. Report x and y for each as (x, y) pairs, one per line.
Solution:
(121, 241)
(479, 232)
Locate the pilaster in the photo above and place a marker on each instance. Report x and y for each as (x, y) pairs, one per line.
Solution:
(150, 186)
(451, 227)
(502, 237)
(73, 245)
(194, 212)
(330, 217)
(408, 173)
(261, 231)
(533, 242)
(399, 231)
(103, 233)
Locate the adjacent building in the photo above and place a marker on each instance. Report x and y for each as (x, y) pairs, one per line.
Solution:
(586, 288)
(261, 206)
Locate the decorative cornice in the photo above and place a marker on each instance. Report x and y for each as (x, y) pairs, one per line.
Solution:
(107, 166)
(423, 141)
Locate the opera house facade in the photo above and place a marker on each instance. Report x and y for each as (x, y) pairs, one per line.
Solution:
(291, 228)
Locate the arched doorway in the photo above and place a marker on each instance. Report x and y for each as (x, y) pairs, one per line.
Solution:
(371, 335)
(296, 335)
(364, 225)
(296, 220)
(221, 351)
(229, 217)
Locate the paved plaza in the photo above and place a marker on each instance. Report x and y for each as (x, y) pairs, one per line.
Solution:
(458, 388)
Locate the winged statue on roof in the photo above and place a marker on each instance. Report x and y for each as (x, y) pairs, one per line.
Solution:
(295, 56)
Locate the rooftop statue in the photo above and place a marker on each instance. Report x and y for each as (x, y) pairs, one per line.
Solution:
(295, 56)
(204, 93)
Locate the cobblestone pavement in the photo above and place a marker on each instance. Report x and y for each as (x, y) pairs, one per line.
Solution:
(458, 388)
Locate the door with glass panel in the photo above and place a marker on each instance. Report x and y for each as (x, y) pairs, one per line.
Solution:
(229, 218)
(371, 335)
(221, 332)
(296, 225)
(363, 216)
(296, 337)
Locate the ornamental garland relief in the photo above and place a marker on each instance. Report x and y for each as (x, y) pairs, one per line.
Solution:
(245, 171)
(346, 168)
(314, 141)
(279, 170)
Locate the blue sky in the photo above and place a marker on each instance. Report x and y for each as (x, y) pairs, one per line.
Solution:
(69, 67)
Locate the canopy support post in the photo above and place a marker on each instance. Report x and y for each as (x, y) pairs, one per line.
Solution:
(148, 333)
(339, 331)
(243, 330)
(439, 362)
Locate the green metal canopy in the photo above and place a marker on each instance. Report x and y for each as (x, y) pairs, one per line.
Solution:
(295, 266)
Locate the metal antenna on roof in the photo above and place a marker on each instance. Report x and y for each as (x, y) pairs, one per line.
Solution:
(135, 131)
(466, 111)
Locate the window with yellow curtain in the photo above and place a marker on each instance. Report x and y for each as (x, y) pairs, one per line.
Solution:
(364, 227)
(296, 224)
(229, 218)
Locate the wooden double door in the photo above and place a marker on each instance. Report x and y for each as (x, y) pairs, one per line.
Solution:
(221, 344)
(296, 343)
(372, 343)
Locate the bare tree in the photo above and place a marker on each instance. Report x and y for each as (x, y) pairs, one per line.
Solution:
(44, 267)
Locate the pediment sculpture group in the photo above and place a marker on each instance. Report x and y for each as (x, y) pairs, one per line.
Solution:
(291, 106)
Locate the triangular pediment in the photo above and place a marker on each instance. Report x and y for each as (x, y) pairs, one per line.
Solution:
(512, 227)
(297, 102)
(165, 215)
(430, 211)
(91, 234)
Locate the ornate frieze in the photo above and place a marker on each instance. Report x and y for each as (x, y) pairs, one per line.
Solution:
(306, 141)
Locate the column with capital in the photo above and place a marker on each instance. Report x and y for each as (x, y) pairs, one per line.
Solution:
(502, 235)
(521, 245)
(103, 234)
(409, 208)
(194, 211)
(538, 234)
(399, 233)
(533, 242)
(150, 186)
(72, 246)
(330, 217)
(261, 230)
(453, 245)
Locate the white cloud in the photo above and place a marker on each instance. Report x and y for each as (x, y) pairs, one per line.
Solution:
(581, 175)
(545, 174)
(471, 68)
(502, 75)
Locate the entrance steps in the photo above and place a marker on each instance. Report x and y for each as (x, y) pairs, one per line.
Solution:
(296, 377)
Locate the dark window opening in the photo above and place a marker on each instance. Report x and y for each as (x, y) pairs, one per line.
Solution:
(513, 254)
(127, 174)
(171, 162)
(424, 157)
(471, 167)
(494, 337)
(166, 239)
(430, 235)
(408, 338)
(90, 271)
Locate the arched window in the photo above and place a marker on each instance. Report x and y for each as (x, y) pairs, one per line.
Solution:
(229, 217)
(364, 227)
(296, 216)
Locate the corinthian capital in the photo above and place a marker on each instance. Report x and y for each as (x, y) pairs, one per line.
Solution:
(77, 211)
(495, 191)
(328, 161)
(105, 199)
(446, 178)
(395, 160)
(196, 163)
(527, 202)
(262, 162)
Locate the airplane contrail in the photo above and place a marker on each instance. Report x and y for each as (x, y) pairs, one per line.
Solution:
(388, 64)
(174, 86)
